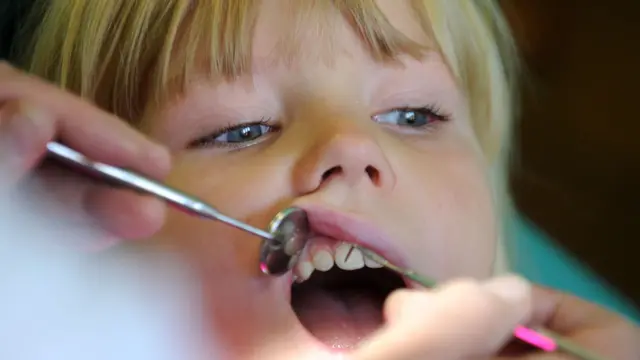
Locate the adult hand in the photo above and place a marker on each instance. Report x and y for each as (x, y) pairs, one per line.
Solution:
(459, 320)
(601, 332)
(32, 113)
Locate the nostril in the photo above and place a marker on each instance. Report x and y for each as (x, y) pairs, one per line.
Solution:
(336, 170)
(373, 174)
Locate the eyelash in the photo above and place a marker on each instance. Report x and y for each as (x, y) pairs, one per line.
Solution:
(431, 111)
(209, 140)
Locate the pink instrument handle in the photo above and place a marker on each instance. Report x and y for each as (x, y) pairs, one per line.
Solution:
(535, 338)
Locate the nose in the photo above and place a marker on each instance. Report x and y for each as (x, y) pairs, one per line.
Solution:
(349, 155)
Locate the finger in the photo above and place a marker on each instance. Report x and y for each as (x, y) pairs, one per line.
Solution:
(564, 313)
(460, 320)
(124, 213)
(61, 194)
(392, 342)
(97, 134)
(488, 313)
(584, 324)
(400, 304)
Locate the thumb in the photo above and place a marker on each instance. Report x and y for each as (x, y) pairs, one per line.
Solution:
(459, 320)
(402, 305)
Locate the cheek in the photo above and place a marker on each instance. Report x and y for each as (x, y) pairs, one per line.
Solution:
(239, 187)
(251, 192)
(453, 206)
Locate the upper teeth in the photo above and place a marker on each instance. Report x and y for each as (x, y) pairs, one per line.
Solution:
(323, 256)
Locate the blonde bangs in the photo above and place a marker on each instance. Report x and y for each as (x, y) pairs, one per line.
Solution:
(123, 54)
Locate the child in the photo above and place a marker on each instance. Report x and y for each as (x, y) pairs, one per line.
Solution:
(388, 121)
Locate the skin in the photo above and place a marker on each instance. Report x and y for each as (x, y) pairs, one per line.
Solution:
(325, 113)
(426, 180)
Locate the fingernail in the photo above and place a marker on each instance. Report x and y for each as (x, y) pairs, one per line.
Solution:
(511, 288)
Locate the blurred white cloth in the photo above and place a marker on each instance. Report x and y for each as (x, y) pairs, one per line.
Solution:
(59, 304)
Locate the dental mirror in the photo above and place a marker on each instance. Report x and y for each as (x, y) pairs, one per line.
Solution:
(290, 231)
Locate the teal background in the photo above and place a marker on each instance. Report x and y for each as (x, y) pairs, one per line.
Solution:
(536, 256)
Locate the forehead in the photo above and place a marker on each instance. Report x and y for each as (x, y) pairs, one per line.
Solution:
(241, 38)
(294, 31)
(299, 31)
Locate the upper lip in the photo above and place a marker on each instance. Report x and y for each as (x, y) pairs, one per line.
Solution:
(351, 228)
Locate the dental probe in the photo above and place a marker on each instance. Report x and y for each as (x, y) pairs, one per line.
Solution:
(544, 340)
(280, 248)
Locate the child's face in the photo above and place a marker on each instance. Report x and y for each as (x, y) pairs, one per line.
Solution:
(335, 132)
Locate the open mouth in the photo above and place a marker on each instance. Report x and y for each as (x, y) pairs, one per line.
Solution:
(342, 307)
(339, 293)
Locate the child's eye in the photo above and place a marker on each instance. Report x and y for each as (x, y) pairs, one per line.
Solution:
(410, 117)
(235, 135)
(243, 133)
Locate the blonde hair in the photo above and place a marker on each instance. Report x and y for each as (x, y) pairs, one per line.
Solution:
(121, 54)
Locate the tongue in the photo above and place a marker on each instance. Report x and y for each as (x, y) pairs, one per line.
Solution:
(340, 318)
